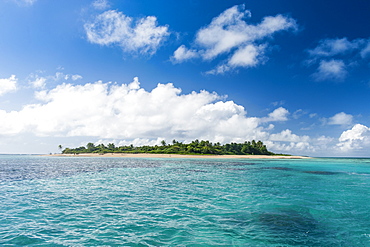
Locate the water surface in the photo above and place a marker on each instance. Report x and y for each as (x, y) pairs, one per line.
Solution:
(80, 201)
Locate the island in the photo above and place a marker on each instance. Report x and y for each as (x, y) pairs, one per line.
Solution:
(194, 149)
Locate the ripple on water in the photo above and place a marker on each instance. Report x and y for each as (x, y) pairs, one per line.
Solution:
(133, 202)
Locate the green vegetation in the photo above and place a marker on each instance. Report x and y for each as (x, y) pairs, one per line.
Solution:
(195, 147)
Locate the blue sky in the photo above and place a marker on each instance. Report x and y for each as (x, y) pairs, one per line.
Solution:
(294, 74)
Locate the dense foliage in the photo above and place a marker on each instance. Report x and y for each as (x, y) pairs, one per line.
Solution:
(195, 147)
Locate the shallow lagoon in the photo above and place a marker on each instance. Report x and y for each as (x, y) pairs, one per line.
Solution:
(72, 201)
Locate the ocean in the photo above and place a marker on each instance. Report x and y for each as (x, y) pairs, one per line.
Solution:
(87, 201)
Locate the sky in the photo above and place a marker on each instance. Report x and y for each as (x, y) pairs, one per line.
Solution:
(293, 74)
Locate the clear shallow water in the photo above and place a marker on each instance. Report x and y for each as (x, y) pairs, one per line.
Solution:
(51, 201)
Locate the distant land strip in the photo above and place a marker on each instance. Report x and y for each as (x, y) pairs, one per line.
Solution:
(195, 149)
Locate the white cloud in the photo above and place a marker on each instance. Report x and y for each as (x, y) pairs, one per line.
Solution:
(39, 82)
(332, 47)
(8, 84)
(333, 56)
(324, 140)
(137, 142)
(101, 4)
(288, 136)
(298, 113)
(182, 54)
(127, 112)
(279, 114)
(341, 119)
(288, 142)
(115, 28)
(228, 33)
(331, 70)
(277, 103)
(248, 56)
(355, 139)
(366, 50)
(229, 30)
(220, 69)
(289, 147)
(76, 77)
(109, 27)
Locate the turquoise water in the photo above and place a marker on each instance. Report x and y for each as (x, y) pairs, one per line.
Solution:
(51, 201)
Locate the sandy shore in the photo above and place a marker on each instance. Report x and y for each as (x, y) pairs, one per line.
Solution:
(128, 155)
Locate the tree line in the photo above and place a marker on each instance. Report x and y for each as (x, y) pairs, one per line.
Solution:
(195, 147)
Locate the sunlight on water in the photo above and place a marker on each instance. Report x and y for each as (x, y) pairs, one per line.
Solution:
(49, 201)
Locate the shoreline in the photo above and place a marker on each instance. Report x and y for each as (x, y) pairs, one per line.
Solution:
(179, 156)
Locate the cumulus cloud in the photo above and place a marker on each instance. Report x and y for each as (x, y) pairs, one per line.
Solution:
(299, 147)
(341, 119)
(355, 139)
(248, 56)
(331, 70)
(288, 136)
(8, 84)
(127, 112)
(230, 34)
(229, 30)
(183, 54)
(279, 114)
(114, 28)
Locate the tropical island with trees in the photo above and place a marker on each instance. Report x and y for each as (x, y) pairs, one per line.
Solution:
(196, 147)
